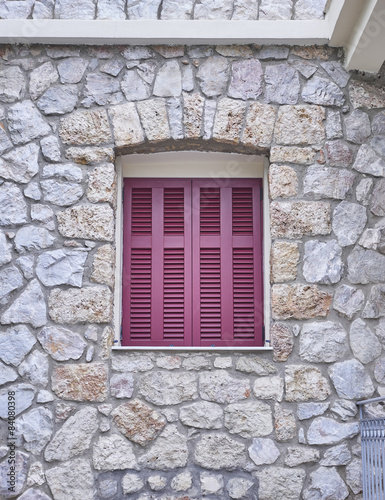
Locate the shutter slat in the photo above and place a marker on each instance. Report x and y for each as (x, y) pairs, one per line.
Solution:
(173, 288)
(140, 310)
(243, 283)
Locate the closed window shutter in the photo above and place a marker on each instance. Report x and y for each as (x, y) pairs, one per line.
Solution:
(157, 262)
(227, 262)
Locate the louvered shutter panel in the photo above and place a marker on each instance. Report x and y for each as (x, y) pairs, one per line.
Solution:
(157, 262)
(227, 262)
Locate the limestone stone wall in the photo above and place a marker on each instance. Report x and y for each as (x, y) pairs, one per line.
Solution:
(279, 425)
(162, 9)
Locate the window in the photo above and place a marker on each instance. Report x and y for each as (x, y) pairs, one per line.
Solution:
(192, 262)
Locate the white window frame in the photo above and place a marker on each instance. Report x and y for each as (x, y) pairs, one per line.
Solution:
(190, 165)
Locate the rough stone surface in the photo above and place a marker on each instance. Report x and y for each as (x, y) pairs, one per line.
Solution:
(29, 307)
(357, 127)
(280, 483)
(301, 455)
(61, 267)
(249, 419)
(102, 184)
(202, 415)
(363, 342)
(345, 410)
(131, 483)
(25, 123)
(351, 380)
(326, 483)
(364, 95)
(162, 388)
(299, 302)
(153, 114)
(13, 208)
(263, 451)
(168, 452)
(85, 127)
(21, 466)
(213, 76)
(126, 124)
(218, 451)
(84, 221)
(299, 218)
(272, 390)
(338, 154)
(292, 154)
(354, 475)
(283, 181)
(24, 395)
(368, 162)
(20, 165)
(322, 342)
(61, 193)
(239, 487)
(255, 365)
(282, 84)
(35, 368)
(322, 262)
(375, 306)
(305, 382)
(192, 114)
(337, 455)
(326, 431)
(284, 424)
(228, 120)
(323, 92)
(246, 79)
(122, 385)
(366, 266)
(36, 428)
(113, 453)
(284, 261)
(275, 9)
(281, 341)
(82, 382)
(309, 410)
(300, 125)
(259, 127)
(71, 69)
(378, 198)
(138, 422)
(348, 300)
(12, 84)
(61, 344)
(73, 479)
(327, 182)
(349, 220)
(211, 484)
(168, 82)
(220, 387)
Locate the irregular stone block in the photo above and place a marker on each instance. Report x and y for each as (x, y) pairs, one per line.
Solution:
(134, 87)
(25, 123)
(29, 307)
(58, 100)
(281, 341)
(157, 483)
(364, 95)
(7, 374)
(239, 487)
(282, 84)
(354, 475)
(136, 363)
(11, 279)
(15, 343)
(12, 84)
(348, 300)
(122, 385)
(92, 304)
(284, 424)
(338, 154)
(82, 382)
(113, 453)
(368, 162)
(333, 124)
(375, 306)
(175, 116)
(300, 125)
(249, 419)
(131, 483)
(272, 390)
(220, 387)
(326, 431)
(345, 410)
(299, 218)
(349, 220)
(291, 154)
(304, 383)
(153, 114)
(299, 302)
(61, 267)
(32, 238)
(213, 9)
(211, 484)
(322, 342)
(284, 261)
(21, 465)
(333, 68)
(263, 451)
(89, 222)
(126, 124)
(72, 69)
(322, 262)
(258, 131)
(168, 452)
(366, 266)
(35, 369)
(338, 455)
(229, 120)
(138, 422)
(377, 205)
(326, 182)
(20, 165)
(103, 266)
(24, 395)
(61, 344)
(181, 482)
(213, 76)
(309, 410)
(73, 479)
(218, 451)
(280, 482)
(168, 81)
(326, 482)
(101, 90)
(172, 9)
(363, 342)
(146, 9)
(193, 105)
(246, 79)
(164, 388)
(275, 9)
(86, 156)
(301, 455)
(85, 127)
(102, 184)
(351, 380)
(357, 126)
(245, 10)
(255, 365)
(283, 181)
(322, 91)
(74, 9)
(202, 415)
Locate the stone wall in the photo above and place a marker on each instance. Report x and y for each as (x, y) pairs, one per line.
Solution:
(273, 425)
(162, 9)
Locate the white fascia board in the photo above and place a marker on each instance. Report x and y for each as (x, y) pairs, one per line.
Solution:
(342, 16)
(175, 32)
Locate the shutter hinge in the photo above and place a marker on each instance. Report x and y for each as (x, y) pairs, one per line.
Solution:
(261, 193)
(263, 335)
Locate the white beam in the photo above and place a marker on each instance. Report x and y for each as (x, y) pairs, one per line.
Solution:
(342, 16)
(149, 32)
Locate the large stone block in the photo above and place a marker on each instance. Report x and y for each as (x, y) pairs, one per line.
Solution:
(93, 222)
(126, 124)
(249, 419)
(71, 480)
(279, 483)
(258, 131)
(218, 451)
(165, 388)
(299, 302)
(85, 127)
(322, 342)
(220, 387)
(326, 431)
(351, 380)
(113, 452)
(83, 382)
(168, 452)
(305, 382)
(299, 218)
(229, 120)
(300, 125)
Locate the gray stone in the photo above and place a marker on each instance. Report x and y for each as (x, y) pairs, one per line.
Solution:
(112, 67)
(284, 424)
(326, 182)
(10, 280)
(208, 119)
(377, 144)
(61, 344)
(354, 475)
(74, 436)
(213, 9)
(275, 9)
(43, 214)
(280, 483)
(301, 455)
(25, 123)
(168, 452)
(272, 390)
(113, 452)
(333, 124)
(5, 250)
(35, 368)
(147, 9)
(29, 307)
(379, 370)
(357, 126)
(351, 380)
(89, 222)
(71, 70)
(85, 127)
(263, 451)
(348, 300)
(24, 395)
(74, 9)
(134, 87)
(163, 388)
(16, 10)
(323, 92)
(368, 162)
(36, 428)
(220, 387)
(333, 68)
(377, 205)
(282, 84)
(365, 95)
(111, 10)
(62, 194)
(61, 267)
(322, 262)
(211, 484)
(309, 410)
(375, 306)
(135, 363)
(51, 149)
(32, 238)
(175, 116)
(326, 483)
(181, 482)
(322, 342)
(126, 123)
(300, 124)
(326, 431)
(58, 100)
(7, 374)
(71, 480)
(108, 487)
(168, 82)
(15, 343)
(246, 79)
(13, 208)
(172, 9)
(338, 455)
(349, 220)
(338, 154)
(91, 304)
(5, 142)
(32, 191)
(153, 114)
(36, 475)
(378, 123)
(213, 76)
(249, 419)
(33, 494)
(188, 78)
(366, 266)
(131, 483)
(202, 415)
(239, 487)
(305, 382)
(345, 410)
(12, 84)
(60, 51)
(157, 483)
(218, 451)
(122, 385)
(20, 164)
(255, 365)
(21, 466)
(274, 52)
(44, 397)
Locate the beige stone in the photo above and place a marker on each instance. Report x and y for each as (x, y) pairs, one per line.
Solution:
(299, 218)
(107, 342)
(300, 124)
(259, 127)
(192, 115)
(284, 261)
(299, 302)
(126, 123)
(92, 222)
(364, 95)
(272, 390)
(102, 184)
(312, 52)
(228, 120)
(305, 382)
(86, 156)
(283, 181)
(83, 382)
(103, 266)
(138, 421)
(293, 154)
(234, 51)
(282, 341)
(153, 114)
(85, 127)
(91, 304)
(284, 424)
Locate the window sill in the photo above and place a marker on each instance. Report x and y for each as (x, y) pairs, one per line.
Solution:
(189, 349)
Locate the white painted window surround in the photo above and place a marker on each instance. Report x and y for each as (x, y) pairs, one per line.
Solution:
(191, 164)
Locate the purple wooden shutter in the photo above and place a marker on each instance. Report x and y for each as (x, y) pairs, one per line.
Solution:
(157, 262)
(227, 262)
